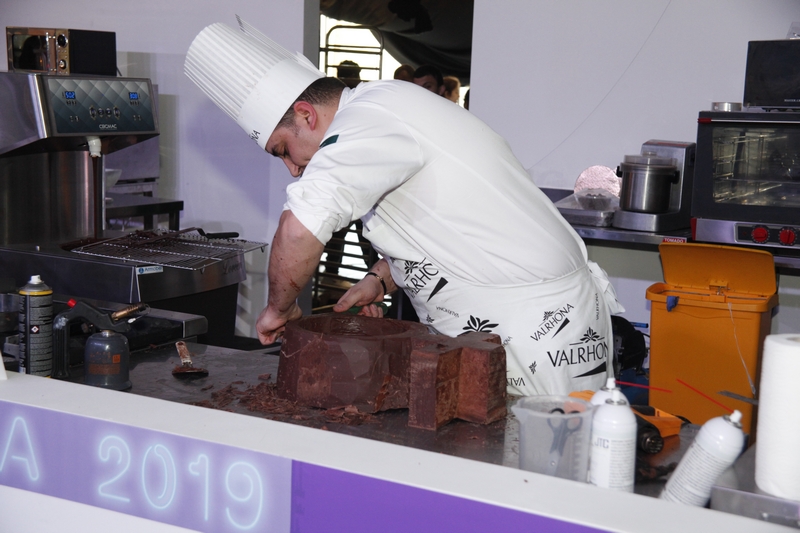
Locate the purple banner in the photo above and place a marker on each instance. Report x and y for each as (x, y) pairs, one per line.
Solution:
(163, 477)
(334, 501)
(211, 487)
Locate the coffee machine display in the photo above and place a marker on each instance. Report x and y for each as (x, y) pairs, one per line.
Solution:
(656, 187)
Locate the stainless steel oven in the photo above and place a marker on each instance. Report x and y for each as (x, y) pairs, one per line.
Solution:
(747, 179)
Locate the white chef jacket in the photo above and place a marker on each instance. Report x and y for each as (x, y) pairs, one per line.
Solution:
(473, 242)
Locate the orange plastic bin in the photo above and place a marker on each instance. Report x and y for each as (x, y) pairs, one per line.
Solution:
(707, 327)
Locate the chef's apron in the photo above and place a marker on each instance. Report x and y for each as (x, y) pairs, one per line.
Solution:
(557, 333)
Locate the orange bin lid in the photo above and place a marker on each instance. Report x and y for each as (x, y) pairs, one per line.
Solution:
(707, 266)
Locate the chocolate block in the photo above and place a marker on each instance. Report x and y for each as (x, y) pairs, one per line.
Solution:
(335, 360)
(462, 377)
(434, 385)
(482, 381)
(377, 364)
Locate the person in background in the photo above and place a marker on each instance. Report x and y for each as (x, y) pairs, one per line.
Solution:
(349, 72)
(404, 72)
(459, 224)
(430, 78)
(452, 88)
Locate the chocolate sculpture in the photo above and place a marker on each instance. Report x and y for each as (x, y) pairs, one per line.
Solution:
(377, 364)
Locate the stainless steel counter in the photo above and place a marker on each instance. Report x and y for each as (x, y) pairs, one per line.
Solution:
(615, 235)
(736, 492)
(233, 376)
(622, 238)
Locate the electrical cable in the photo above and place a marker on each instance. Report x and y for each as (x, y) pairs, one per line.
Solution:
(741, 357)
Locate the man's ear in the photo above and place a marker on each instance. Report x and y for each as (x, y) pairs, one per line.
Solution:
(442, 88)
(307, 113)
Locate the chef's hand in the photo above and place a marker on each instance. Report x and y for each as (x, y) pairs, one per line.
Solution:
(271, 323)
(364, 293)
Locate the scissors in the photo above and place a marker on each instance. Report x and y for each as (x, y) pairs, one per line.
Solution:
(562, 428)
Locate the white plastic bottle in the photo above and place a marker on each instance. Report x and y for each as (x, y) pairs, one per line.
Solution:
(613, 450)
(717, 445)
(604, 393)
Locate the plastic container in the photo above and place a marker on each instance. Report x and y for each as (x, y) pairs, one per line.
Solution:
(36, 328)
(574, 211)
(554, 433)
(107, 361)
(613, 450)
(708, 324)
(717, 445)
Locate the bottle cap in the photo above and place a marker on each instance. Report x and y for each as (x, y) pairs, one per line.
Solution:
(611, 384)
(617, 398)
(735, 418)
(36, 278)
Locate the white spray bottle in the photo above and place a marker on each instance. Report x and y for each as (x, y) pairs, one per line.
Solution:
(613, 450)
(717, 445)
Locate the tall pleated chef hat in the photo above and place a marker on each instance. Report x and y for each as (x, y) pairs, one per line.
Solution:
(248, 75)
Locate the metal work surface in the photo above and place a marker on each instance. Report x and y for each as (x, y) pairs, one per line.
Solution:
(151, 375)
(630, 236)
(234, 375)
(736, 492)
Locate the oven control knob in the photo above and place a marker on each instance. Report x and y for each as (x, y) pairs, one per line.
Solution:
(760, 234)
(787, 236)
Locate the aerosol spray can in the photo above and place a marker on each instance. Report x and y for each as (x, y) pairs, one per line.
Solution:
(715, 448)
(613, 451)
(36, 328)
(604, 393)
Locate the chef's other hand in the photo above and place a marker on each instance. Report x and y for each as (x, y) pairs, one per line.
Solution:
(375, 311)
(271, 323)
(363, 293)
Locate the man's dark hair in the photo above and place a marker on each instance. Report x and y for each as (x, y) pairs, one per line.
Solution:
(426, 70)
(348, 69)
(324, 91)
(408, 69)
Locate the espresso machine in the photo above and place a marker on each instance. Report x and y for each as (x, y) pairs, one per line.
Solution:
(55, 132)
(656, 187)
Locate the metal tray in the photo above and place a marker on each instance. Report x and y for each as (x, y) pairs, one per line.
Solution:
(187, 249)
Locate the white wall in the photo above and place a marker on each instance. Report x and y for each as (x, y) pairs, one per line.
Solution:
(224, 180)
(576, 83)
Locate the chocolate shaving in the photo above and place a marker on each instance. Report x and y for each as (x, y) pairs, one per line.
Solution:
(263, 399)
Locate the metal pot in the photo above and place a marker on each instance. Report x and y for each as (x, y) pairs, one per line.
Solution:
(646, 183)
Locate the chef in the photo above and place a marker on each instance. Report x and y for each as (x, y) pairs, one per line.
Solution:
(459, 224)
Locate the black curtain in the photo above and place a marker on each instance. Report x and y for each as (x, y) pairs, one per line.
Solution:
(416, 32)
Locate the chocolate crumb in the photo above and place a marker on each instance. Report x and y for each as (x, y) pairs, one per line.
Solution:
(263, 399)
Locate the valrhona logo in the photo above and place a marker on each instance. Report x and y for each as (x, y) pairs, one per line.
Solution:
(553, 321)
(590, 348)
(476, 324)
(418, 274)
